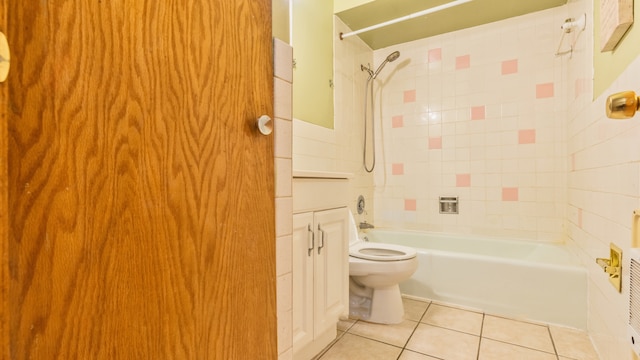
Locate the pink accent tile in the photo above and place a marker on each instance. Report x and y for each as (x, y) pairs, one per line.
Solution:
(463, 180)
(477, 112)
(397, 169)
(409, 96)
(544, 90)
(435, 55)
(463, 62)
(397, 121)
(510, 67)
(509, 194)
(527, 136)
(580, 218)
(410, 204)
(435, 142)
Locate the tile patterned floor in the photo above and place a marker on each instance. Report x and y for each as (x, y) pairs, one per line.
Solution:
(433, 331)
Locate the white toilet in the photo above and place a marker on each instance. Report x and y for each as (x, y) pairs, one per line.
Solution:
(375, 270)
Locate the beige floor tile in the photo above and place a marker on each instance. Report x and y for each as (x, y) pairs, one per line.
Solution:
(517, 332)
(410, 355)
(353, 347)
(394, 334)
(344, 325)
(495, 350)
(443, 343)
(454, 319)
(414, 309)
(573, 343)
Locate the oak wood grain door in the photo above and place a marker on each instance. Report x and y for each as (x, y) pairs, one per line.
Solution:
(137, 196)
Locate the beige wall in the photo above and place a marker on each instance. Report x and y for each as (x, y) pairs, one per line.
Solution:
(280, 13)
(609, 65)
(341, 5)
(312, 40)
(312, 29)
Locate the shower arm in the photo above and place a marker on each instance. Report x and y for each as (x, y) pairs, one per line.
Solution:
(367, 69)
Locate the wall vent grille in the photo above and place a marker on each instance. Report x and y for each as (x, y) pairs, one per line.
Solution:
(634, 300)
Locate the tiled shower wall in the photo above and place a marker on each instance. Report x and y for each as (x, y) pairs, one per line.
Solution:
(478, 114)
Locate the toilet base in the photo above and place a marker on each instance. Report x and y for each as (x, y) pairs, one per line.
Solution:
(380, 305)
(386, 306)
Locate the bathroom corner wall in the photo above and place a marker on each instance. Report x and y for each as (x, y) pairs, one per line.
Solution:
(604, 181)
(283, 60)
(603, 191)
(340, 149)
(478, 114)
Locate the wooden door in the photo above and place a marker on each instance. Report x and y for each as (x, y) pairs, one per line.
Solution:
(139, 217)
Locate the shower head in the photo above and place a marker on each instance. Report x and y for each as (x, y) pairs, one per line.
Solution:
(392, 57)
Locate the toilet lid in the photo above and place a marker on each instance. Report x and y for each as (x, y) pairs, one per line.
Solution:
(381, 252)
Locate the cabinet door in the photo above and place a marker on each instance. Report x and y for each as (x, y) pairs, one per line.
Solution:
(331, 266)
(302, 280)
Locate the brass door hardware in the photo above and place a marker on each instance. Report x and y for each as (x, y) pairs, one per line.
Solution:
(5, 58)
(613, 266)
(622, 105)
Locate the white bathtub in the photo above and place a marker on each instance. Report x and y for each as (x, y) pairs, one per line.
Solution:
(535, 281)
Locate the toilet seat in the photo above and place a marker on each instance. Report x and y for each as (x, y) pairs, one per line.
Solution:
(381, 252)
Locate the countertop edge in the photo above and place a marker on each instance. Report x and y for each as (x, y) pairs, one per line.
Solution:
(321, 174)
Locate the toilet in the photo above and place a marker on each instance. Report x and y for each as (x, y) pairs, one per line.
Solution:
(375, 270)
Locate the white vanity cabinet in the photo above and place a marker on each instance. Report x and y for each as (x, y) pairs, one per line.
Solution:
(320, 262)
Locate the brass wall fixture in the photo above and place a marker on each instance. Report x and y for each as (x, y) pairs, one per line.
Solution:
(5, 58)
(622, 105)
(613, 266)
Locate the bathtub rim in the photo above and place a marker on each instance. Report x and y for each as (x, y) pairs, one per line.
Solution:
(558, 246)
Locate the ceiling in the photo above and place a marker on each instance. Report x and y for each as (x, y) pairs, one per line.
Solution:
(474, 13)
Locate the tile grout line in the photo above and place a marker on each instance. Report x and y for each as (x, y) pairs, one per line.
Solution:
(522, 346)
(328, 347)
(555, 350)
(403, 348)
(414, 330)
(480, 340)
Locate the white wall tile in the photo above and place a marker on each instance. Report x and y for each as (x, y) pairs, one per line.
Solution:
(282, 93)
(487, 148)
(283, 202)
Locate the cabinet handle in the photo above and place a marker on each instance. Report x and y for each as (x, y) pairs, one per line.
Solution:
(310, 236)
(321, 239)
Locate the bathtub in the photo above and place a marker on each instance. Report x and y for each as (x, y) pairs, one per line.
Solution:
(520, 279)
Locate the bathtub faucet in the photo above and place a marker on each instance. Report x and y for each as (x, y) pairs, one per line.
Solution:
(366, 225)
